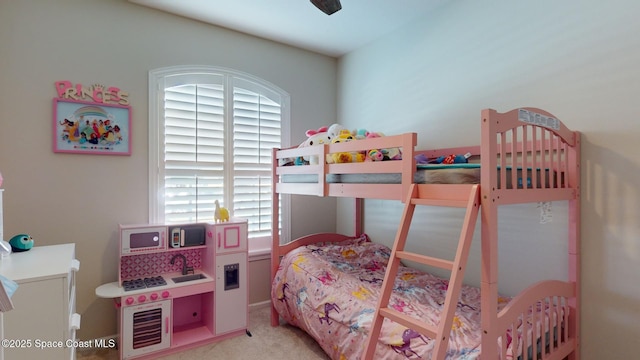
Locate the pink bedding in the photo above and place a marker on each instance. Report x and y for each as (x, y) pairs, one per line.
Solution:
(331, 292)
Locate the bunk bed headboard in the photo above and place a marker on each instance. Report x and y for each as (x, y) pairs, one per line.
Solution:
(528, 148)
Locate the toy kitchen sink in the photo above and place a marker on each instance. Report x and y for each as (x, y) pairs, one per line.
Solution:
(184, 278)
(187, 295)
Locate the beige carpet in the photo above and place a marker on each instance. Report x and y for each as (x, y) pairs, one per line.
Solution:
(266, 343)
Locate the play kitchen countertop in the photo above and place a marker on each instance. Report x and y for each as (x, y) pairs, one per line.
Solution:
(115, 289)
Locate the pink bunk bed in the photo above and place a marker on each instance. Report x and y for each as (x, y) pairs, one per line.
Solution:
(358, 300)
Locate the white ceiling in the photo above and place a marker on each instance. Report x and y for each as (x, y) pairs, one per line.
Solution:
(300, 23)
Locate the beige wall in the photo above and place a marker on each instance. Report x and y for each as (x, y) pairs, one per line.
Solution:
(260, 279)
(60, 198)
(577, 59)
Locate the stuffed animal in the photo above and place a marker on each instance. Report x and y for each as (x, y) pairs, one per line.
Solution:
(340, 158)
(371, 135)
(220, 214)
(344, 157)
(392, 154)
(359, 134)
(387, 154)
(422, 159)
(335, 130)
(21, 242)
(375, 155)
(314, 137)
(452, 159)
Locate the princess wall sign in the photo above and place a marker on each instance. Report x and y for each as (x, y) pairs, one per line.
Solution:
(91, 120)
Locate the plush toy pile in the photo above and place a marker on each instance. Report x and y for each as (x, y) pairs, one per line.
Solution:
(344, 157)
(336, 133)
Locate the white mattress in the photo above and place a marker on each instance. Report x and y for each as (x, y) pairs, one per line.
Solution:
(431, 174)
(424, 175)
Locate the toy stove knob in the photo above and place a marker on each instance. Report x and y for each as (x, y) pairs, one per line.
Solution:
(142, 298)
(165, 294)
(154, 296)
(129, 300)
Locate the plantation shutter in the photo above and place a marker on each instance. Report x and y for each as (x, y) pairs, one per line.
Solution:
(208, 150)
(194, 151)
(256, 130)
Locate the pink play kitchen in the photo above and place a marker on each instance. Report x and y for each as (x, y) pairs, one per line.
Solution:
(179, 286)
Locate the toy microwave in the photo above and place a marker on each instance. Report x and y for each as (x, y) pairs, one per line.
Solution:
(187, 235)
(142, 238)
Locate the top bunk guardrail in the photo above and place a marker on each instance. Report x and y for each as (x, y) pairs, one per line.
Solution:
(311, 179)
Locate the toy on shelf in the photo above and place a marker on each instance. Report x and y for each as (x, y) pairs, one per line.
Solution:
(221, 214)
(21, 242)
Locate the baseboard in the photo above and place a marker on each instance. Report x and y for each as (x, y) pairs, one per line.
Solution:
(259, 255)
(259, 305)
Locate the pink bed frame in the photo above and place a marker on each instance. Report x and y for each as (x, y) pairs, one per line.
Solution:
(521, 138)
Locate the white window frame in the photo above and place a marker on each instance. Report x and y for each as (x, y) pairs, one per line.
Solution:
(157, 81)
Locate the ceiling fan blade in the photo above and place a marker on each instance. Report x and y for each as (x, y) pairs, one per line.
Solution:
(327, 6)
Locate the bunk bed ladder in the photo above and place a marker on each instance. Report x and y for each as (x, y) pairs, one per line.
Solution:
(464, 196)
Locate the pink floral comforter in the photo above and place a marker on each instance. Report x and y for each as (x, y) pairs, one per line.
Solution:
(331, 292)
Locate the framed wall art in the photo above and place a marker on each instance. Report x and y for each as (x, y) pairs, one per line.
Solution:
(91, 128)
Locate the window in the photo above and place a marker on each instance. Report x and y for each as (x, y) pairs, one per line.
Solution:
(211, 132)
